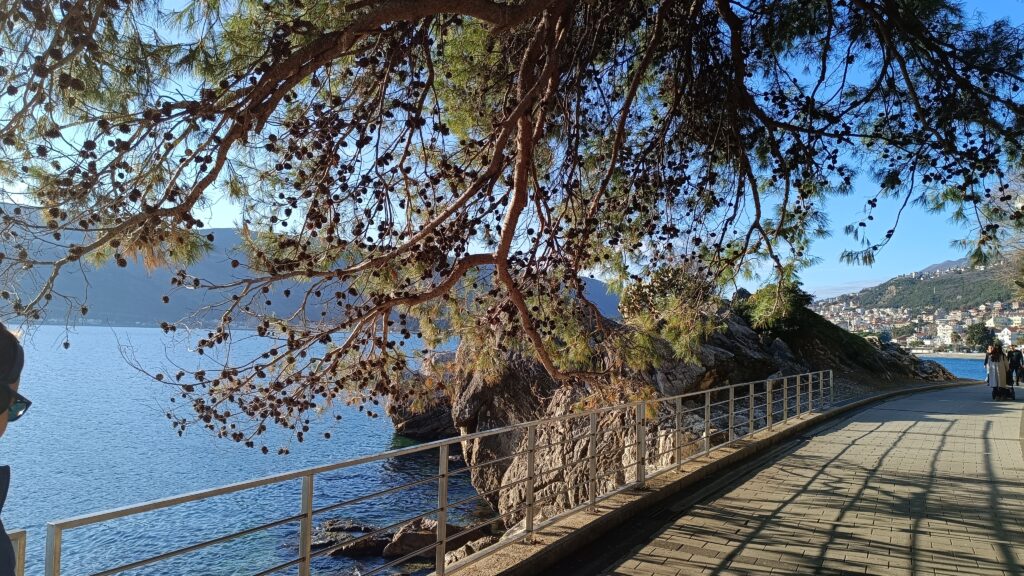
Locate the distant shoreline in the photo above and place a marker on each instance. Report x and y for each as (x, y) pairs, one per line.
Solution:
(963, 355)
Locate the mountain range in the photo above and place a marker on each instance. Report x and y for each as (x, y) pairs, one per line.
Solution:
(133, 295)
(953, 284)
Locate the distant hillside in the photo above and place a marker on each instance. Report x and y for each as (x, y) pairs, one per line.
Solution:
(961, 263)
(951, 290)
(133, 295)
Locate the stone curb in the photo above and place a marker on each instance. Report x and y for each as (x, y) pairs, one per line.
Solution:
(538, 558)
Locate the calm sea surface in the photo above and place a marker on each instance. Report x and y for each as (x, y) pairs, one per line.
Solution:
(97, 438)
(962, 367)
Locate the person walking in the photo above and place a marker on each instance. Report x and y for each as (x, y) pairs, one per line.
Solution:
(12, 407)
(1015, 360)
(996, 365)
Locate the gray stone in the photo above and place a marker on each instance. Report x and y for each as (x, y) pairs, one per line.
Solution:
(371, 546)
(420, 533)
(469, 549)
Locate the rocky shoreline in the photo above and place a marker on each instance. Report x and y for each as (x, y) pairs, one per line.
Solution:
(524, 392)
(352, 539)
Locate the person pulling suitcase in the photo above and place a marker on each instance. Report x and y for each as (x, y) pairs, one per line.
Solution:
(1015, 361)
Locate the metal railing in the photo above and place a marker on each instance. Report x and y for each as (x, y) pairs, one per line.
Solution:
(619, 448)
(19, 539)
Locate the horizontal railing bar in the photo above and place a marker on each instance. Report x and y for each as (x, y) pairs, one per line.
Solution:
(401, 560)
(487, 463)
(562, 467)
(609, 471)
(799, 382)
(568, 440)
(377, 532)
(279, 567)
(479, 495)
(194, 547)
(374, 495)
(558, 493)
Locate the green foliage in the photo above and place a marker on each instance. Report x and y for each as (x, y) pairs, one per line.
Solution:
(904, 331)
(978, 335)
(774, 306)
(676, 303)
(951, 291)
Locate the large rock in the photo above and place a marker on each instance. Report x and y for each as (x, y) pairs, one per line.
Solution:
(420, 533)
(469, 549)
(517, 396)
(433, 421)
(362, 546)
(422, 410)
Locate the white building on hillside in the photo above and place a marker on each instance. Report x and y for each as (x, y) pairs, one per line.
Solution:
(1010, 336)
(944, 333)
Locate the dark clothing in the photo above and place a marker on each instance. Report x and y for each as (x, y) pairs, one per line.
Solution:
(1016, 362)
(6, 548)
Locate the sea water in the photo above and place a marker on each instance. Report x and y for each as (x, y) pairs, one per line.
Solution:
(97, 437)
(972, 368)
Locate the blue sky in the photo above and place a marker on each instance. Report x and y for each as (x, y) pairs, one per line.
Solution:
(921, 240)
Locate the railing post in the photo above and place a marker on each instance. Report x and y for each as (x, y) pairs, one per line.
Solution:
(831, 390)
(732, 413)
(440, 547)
(641, 444)
(19, 555)
(769, 403)
(798, 401)
(306, 528)
(531, 463)
(677, 443)
(707, 421)
(53, 534)
(821, 390)
(592, 485)
(751, 421)
(785, 398)
(810, 394)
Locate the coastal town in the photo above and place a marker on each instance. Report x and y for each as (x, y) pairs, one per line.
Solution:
(944, 327)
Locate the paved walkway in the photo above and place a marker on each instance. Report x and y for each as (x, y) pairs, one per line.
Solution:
(931, 483)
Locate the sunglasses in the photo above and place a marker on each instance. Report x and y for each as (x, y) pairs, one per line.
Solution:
(18, 408)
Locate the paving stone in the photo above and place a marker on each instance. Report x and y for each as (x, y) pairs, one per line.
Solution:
(931, 483)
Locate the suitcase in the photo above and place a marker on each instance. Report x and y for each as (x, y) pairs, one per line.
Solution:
(1004, 393)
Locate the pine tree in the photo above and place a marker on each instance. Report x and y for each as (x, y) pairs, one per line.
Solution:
(454, 168)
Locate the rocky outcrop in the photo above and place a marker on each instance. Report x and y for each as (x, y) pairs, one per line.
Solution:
(420, 534)
(485, 405)
(432, 422)
(423, 412)
(362, 546)
(470, 548)
(524, 392)
(356, 536)
(356, 540)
